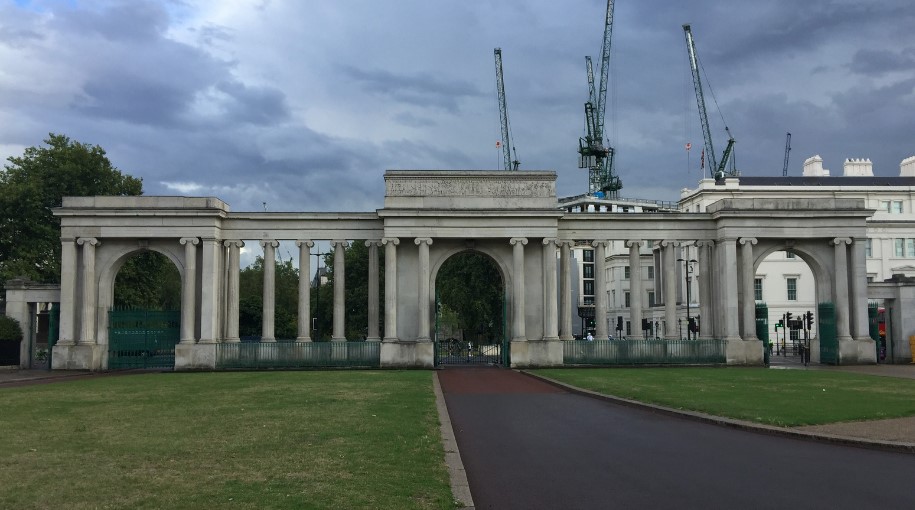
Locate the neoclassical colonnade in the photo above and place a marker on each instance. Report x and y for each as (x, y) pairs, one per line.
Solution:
(429, 216)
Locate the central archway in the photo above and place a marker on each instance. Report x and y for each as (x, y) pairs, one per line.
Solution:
(470, 311)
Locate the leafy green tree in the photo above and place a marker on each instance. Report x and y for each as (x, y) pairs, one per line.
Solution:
(150, 281)
(32, 185)
(251, 291)
(356, 258)
(470, 285)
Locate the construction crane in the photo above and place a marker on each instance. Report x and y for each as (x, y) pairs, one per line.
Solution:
(719, 168)
(507, 147)
(593, 155)
(787, 151)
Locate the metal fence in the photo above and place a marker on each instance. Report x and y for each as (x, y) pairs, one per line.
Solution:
(644, 352)
(298, 355)
(456, 352)
(142, 338)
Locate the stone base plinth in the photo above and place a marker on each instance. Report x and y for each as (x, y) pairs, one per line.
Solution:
(536, 353)
(195, 357)
(77, 357)
(857, 352)
(745, 352)
(407, 354)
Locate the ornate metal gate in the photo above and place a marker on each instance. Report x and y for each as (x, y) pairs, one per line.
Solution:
(142, 338)
(829, 343)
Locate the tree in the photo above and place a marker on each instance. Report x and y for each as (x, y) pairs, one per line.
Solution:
(356, 258)
(470, 285)
(251, 302)
(148, 280)
(36, 182)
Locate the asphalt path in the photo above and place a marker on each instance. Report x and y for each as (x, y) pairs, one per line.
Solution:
(528, 444)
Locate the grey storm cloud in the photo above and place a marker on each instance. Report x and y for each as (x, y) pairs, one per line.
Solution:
(418, 89)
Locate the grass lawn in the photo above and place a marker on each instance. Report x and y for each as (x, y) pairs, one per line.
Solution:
(775, 397)
(332, 439)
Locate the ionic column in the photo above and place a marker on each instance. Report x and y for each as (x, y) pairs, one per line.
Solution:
(90, 291)
(843, 332)
(860, 330)
(635, 286)
(726, 256)
(600, 289)
(66, 335)
(424, 296)
(670, 289)
(269, 294)
(390, 288)
(232, 292)
(211, 270)
(550, 315)
(704, 280)
(372, 335)
(339, 334)
(304, 312)
(518, 334)
(565, 291)
(748, 278)
(189, 290)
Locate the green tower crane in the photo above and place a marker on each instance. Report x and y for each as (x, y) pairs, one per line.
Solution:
(507, 147)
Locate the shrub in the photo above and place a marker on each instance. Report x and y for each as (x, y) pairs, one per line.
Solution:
(9, 329)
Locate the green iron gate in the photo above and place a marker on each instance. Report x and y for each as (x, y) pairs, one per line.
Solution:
(762, 329)
(142, 338)
(453, 351)
(829, 342)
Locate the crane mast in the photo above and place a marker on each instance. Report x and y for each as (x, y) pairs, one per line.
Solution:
(714, 166)
(594, 156)
(787, 152)
(507, 148)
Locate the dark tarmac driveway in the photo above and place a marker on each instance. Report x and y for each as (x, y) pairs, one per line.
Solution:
(529, 445)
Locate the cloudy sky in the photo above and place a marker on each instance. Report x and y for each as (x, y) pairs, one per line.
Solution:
(303, 104)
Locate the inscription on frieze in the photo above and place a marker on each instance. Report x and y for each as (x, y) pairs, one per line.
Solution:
(469, 188)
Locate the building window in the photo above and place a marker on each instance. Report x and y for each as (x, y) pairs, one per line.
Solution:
(589, 287)
(650, 298)
(900, 247)
(792, 289)
(757, 289)
(885, 205)
(896, 207)
(789, 255)
(588, 271)
(651, 272)
(589, 300)
(628, 328)
(910, 248)
(627, 299)
(626, 273)
(588, 255)
(869, 248)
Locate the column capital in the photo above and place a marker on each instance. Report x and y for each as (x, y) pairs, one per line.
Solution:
(706, 243)
(272, 242)
(390, 240)
(597, 243)
(515, 240)
(667, 243)
(308, 243)
(372, 242)
(566, 243)
(549, 240)
(229, 243)
(748, 240)
(339, 242)
(91, 241)
(840, 240)
(634, 242)
(420, 240)
(189, 240)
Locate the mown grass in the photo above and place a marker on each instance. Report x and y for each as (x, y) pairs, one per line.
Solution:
(366, 439)
(775, 397)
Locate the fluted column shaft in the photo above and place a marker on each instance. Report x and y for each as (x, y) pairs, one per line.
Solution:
(304, 312)
(212, 256)
(67, 334)
(232, 291)
(635, 286)
(670, 290)
(189, 290)
(726, 256)
(843, 331)
(704, 280)
(269, 295)
(339, 334)
(565, 291)
(518, 333)
(90, 291)
(550, 316)
(390, 288)
(600, 289)
(374, 294)
(425, 299)
(749, 279)
(858, 274)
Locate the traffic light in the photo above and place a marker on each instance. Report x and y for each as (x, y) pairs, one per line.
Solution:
(780, 324)
(788, 318)
(646, 324)
(808, 318)
(619, 322)
(692, 325)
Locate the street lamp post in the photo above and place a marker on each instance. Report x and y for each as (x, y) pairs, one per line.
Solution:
(688, 264)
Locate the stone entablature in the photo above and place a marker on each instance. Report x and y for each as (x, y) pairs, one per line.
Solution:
(469, 190)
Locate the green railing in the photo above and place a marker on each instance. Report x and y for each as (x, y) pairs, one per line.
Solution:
(298, 355)
(644, 352)
(829, 343)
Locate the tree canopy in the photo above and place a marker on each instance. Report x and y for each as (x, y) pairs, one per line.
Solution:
(36, 182)
(470, 285)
